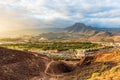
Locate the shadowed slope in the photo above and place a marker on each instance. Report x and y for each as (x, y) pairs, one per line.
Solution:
(19, 65)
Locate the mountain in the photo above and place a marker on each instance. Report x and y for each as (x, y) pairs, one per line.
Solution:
(103, 34)
(79, 27)
(76, 31)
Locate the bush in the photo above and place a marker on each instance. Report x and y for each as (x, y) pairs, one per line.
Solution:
(95, 74)
(104, 67)
(115, 69)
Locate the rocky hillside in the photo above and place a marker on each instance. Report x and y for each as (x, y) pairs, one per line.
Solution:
(105, 66)
(108, 72)
(19, 65)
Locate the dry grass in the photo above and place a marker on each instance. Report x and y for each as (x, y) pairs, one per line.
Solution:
(110, 74)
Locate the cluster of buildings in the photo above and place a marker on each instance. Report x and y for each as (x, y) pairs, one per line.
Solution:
(69, 54)
(76, 53)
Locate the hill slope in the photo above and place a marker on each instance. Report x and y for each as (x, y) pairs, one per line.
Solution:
(105, 66)
(108, 73)
(19, 65)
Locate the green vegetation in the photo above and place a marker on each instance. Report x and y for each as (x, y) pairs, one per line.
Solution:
(60, 46)
(112, 74)
(115, 69)
(57, 58)
(95, 74)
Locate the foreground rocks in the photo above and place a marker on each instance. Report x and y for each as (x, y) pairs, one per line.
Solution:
(19, 65)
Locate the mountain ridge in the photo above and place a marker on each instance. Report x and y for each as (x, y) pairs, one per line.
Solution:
(78, 27)
(77, 31)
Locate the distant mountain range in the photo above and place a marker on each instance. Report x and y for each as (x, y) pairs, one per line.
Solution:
(76, 31)
(108, 29)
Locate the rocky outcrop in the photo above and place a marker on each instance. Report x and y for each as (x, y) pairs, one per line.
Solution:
(20, 65)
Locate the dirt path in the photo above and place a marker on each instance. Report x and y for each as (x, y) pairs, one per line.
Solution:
(48, 67)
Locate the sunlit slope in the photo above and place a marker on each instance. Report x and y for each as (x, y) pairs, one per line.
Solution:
(108, 73)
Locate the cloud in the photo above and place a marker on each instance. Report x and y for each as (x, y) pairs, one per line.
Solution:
(12, 20)
(61, 13)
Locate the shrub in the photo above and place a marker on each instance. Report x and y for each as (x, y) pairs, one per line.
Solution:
(104, 67)
(95, 74)
(115, 69)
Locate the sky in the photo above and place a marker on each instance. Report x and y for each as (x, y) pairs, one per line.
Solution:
(19, 14)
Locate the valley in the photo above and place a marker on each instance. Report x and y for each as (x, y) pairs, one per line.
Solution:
(59, 39)
(78, 52)
(17, 64)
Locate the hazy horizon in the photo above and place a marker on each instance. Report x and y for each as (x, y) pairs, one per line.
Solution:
(21, 16)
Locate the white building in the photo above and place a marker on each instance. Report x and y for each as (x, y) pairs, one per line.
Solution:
(79, 53)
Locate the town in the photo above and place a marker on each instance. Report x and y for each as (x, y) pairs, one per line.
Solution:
(62, 50)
